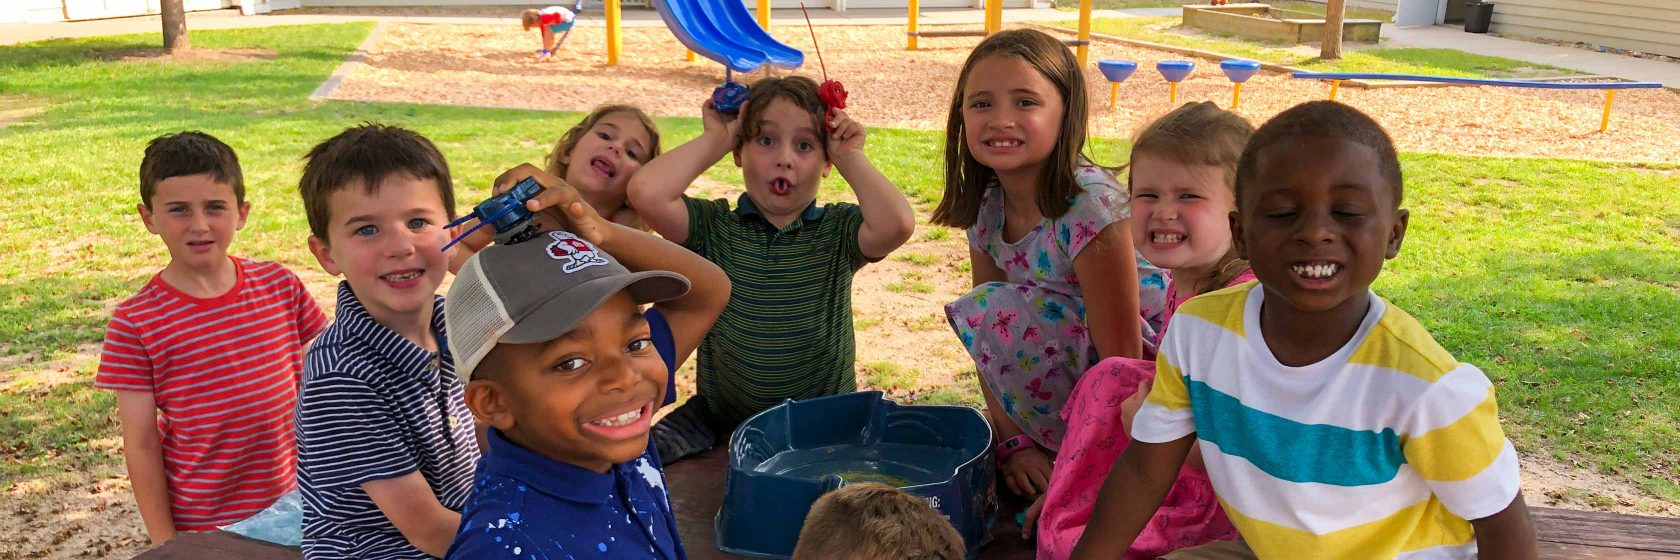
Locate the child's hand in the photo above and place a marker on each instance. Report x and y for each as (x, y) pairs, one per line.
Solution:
(847, 138)
(713, 122)
(559, 205)
(1027, 472)
(1129, 407)
(1031, 521)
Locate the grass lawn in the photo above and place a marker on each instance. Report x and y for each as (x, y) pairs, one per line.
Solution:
(1438, 62)
(1558, 278)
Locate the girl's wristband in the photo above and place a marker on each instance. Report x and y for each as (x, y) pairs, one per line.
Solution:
(1012, 446)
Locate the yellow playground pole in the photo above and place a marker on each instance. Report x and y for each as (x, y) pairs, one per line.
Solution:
(994, 16)
(1236, 94)
(1334, 85)
(1604, 124)
(1172, 94)
(764, 14)
(1113, 93)
(615, 40)
(915, 8)
(689, 57)
(1083, 53)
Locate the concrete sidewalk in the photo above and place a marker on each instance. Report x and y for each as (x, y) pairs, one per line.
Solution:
(1581, 60)
(632, 17)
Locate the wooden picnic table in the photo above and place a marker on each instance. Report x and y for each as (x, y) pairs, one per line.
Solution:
(697, 486)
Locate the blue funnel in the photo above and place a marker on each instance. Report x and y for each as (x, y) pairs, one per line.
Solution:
(1239, 71)
(1116, 70)
(1175, 70)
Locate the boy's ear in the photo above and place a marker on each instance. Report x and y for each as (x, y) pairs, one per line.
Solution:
(737, 154)
(1237, 235)
(826, 168)
(146, 216)
(244, 213)
(323, 255)
(485, 400)
(1398, 234)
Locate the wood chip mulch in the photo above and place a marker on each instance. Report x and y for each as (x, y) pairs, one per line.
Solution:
(484, 65)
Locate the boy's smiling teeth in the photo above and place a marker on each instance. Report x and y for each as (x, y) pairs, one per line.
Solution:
(1003, 143)
(1316, 271)
(401, 276)
(620, 420)
(1168, 237)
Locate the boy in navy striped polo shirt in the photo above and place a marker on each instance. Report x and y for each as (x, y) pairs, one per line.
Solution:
(385, 443)
(566, 367)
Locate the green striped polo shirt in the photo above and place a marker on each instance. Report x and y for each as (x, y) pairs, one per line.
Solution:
(787, 331)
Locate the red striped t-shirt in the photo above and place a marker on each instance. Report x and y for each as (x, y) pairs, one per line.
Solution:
(224, 372)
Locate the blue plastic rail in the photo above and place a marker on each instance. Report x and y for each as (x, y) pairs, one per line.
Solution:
(1475, 81)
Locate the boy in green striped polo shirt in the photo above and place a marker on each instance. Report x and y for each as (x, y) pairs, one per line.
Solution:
(787, 331)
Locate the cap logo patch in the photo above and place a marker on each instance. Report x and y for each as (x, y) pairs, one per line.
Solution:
(575, 253)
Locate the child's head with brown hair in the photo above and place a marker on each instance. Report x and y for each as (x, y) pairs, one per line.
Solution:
(873, 521)
(530, 19)
(1018, 114)
(377, 198)
(598, 155)
(189, 153)
(192, 195)
(1183, 182)
(782, 145)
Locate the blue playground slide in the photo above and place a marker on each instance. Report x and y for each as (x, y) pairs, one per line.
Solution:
(724, 31)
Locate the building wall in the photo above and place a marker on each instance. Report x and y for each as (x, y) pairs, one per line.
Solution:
(31, 11)
(1651, 26)
(41, 11)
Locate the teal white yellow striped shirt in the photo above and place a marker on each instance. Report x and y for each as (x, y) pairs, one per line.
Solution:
(1382, 450)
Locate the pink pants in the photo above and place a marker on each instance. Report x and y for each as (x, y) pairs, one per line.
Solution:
(1189, 516)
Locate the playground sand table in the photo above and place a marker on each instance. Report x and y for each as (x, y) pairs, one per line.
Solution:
(488, 65)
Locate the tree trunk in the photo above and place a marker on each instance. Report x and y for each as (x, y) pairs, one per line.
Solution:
(1334, 14)
(174, 26)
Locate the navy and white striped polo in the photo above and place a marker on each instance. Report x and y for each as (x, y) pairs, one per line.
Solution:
(374, 406)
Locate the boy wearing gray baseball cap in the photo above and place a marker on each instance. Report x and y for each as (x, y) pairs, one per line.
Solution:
(566, 367)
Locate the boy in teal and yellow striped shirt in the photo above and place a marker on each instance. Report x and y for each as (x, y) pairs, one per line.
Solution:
(787, 331)
(1331, 423)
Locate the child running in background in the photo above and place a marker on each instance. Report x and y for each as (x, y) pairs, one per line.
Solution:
(551, 20)
(1055, 277)
(598, 155)
(1183, 184)
(1332, 424)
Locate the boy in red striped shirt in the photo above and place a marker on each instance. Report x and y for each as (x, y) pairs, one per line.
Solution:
(206, 357)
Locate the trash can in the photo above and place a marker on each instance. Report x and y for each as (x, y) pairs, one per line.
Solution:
(1480, 16)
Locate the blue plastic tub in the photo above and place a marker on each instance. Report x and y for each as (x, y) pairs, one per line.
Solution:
(783, 459)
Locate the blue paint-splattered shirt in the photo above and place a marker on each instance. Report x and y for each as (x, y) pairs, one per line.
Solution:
(530, 507)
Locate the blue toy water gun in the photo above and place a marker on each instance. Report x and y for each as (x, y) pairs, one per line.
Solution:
(507, 213)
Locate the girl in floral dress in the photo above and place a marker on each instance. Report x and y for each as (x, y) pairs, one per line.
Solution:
(1056, 280)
